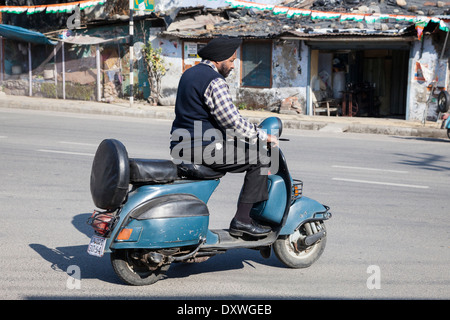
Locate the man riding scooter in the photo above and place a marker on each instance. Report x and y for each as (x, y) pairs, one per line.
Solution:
(156, 210)
(204, 100)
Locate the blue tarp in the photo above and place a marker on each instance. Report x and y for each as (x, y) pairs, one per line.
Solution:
(25, 35)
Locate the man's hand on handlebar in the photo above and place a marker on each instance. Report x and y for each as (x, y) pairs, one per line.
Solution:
(272, 140)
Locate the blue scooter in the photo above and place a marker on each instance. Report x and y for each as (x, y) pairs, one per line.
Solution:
(155, 213)
(447, 126)
(443, 103)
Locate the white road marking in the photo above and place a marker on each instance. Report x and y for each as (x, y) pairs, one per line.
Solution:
(369, 169)
(79, 143)
(382, 183)
(67, 152)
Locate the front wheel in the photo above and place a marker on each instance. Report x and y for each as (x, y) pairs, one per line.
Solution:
(448, 133)
(292, 251)
(134, 271)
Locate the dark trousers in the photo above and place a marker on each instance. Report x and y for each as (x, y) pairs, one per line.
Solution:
(239, 157)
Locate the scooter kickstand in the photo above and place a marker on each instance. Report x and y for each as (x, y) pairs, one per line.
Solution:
(265, 252)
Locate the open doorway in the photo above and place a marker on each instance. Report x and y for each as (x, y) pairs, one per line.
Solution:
(362, 83)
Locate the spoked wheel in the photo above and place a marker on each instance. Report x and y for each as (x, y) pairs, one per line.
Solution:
(292, 251)
(132, 270)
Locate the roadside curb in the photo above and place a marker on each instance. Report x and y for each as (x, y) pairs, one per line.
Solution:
(398, 131)
(167, 113)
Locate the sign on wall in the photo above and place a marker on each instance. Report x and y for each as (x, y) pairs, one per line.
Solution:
(144, 5)
(190, 54)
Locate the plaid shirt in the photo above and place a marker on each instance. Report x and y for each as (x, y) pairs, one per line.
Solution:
(218, 99)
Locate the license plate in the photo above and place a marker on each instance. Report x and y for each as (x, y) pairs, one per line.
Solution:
(97, 246)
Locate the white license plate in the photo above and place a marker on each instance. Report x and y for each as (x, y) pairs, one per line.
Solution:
(97, 246)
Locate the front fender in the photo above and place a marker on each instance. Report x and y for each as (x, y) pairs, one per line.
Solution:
(302, 210)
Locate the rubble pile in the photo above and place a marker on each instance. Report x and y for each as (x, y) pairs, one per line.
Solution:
(254, 23)
(110, 92)
(249, 23)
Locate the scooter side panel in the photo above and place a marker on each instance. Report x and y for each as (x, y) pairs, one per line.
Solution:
(301, 210)
(166, 232)
(202, 189)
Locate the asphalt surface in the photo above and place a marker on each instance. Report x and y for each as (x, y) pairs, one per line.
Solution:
(388, 196)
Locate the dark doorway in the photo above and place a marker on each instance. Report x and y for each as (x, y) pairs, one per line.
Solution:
(364, 82)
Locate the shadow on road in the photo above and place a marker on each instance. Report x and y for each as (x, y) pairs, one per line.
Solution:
(60, 258)
(426, 161)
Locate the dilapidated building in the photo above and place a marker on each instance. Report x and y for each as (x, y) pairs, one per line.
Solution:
(365, 58)
(375, 58)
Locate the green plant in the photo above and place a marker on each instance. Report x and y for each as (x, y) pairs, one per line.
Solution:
(48, 90)
(242, 106)
(156, 69)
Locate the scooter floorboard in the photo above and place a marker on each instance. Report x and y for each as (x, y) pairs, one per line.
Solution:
(227, 241)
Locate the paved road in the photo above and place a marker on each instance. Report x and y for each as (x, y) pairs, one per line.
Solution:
(389, 196)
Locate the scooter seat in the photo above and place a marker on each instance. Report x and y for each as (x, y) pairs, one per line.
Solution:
(152, 171)
(198, 172)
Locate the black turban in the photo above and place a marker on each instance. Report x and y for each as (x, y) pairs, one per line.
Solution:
(220, 49)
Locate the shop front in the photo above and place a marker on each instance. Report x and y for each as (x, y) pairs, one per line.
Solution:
(360, 78)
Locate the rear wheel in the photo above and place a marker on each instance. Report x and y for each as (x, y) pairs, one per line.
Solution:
(292, 251)
(133, 270)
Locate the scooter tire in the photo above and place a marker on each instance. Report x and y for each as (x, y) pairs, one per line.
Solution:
(448, 133)
(134, 272)
(293, 257)
(443, 101)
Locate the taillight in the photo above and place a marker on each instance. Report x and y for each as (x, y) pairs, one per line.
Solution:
(102, 222)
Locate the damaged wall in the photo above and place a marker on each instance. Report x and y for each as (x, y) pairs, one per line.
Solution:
(425, 67)
(291, 70)
(289, 74)
(289, 79)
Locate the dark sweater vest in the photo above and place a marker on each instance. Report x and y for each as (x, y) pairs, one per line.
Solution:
(190, 105)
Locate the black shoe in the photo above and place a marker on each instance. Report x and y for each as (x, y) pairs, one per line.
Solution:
(237, 229)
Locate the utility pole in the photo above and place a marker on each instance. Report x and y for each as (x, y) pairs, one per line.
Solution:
(131, 2)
